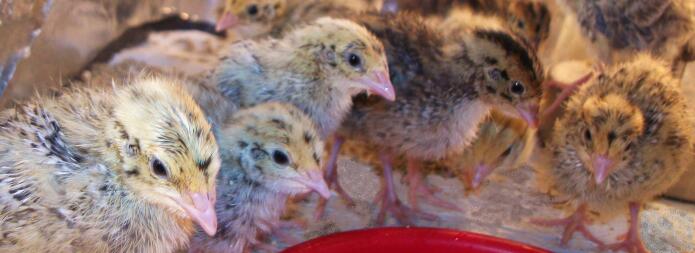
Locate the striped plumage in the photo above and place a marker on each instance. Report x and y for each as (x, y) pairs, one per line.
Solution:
(265, 150)
(106, 170)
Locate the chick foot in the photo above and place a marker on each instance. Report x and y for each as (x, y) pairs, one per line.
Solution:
(417, 187)
(332, 179)
(632, 242)
(567, 91)
(574, 223)
(390, 202)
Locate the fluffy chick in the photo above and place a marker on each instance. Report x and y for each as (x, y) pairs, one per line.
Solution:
(618, 29)
(446, 87)
(502, 142)
(269, 152)
(128, 169)
(317, 67)
(624, 138)
(529, 18)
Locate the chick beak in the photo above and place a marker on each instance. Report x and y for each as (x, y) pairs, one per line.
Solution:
(529, 112)
(481, 172)
(379, 82)
(202, 211)
(313, 179)
(602, 167)
(227, 21)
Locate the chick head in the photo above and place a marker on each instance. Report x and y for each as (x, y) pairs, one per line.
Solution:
(605, 133)
(530, 19)
(277, 146)
(502, 142)
(512, 73)
(250, 11)
(345, 53)
(166, 150)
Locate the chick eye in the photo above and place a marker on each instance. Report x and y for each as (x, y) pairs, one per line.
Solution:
(507, 152)
(520, 24)
(252, 10)
(587, 135)
(159, 169)
(280, 158)
(354, 60)
(517, 88)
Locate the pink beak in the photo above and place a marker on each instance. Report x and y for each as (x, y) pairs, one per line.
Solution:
(379, 83)
(202, 211)
(314, 180)
(529, 112)
(481, 172)
(602, 167)
(227, 21)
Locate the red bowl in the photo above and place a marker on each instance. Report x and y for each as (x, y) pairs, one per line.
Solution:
(410, 240)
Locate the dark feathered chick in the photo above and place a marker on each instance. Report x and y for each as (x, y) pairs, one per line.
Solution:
(529, 18)
(269, 152)
(125, 169)
(445, 87)
(620, 28)
(624, 138)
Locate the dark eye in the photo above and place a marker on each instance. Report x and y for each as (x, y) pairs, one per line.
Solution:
(280, 158)
(252, 10)
(611, 137)
(507, 152)
(520, 24)
(587, 135)
(354, 60)
(159, 169)
(517, 88)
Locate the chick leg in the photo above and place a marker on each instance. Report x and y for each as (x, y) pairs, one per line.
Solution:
(332, 178)
(567, 91)
(389, 200)
(632, 242)
(417, 187)
(574, 223)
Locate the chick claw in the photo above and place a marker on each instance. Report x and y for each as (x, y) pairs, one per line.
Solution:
(574, 223)
(417, 187)
(390, 202)
(567, 91)
(332, 179)
(631, 241)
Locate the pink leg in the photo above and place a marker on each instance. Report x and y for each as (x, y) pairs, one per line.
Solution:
(332, 178)
(574, 223)
(389, 200)
(632, 242)
(418, 187)
(567, 91)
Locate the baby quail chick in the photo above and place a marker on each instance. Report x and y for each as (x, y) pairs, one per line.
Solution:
(624, 138)
(618, 29)
(317, 67)
(529, 18)
(502, 142)
(237, 12)
(269, 152)
(446, 87)
(124, 169)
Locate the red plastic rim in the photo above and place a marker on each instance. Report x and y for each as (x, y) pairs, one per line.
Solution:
(410, 240)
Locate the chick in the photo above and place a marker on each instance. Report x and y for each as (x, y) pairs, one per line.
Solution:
(124, 169)
(529, 18)
(317, 67)
(502, 142)
(446, 87)
(624, 138)
(275, 16)
(269, 152)
(618, 29)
